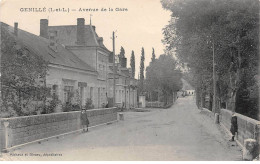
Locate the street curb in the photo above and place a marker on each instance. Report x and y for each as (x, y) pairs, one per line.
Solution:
(46, 139)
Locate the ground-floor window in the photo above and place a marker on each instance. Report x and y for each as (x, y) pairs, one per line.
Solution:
(68, 93)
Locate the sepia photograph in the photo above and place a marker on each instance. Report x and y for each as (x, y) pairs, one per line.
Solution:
(129, 80)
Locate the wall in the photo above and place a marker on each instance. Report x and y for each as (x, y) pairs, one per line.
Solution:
(93, 56)
(142, 101)
(247, 127)
(155, 104)
(57, 74)
(208, 113)
(26, 129)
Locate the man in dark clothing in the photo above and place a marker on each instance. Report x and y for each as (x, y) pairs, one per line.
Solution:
(233, 128)
(84, 120)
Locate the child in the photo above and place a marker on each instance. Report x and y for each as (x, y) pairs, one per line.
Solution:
(84, 120)
(233, 128)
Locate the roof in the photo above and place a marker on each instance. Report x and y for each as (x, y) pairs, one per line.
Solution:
(67, 35)
(124, 72)
(40, 46)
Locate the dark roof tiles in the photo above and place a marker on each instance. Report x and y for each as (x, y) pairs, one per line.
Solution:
(40, 46)
(67, 35)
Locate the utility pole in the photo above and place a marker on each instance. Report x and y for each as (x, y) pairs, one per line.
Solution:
(114, 70)
(215, 102)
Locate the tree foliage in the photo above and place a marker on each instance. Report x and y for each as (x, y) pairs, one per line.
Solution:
(23, 75)
(121, 55)
(122, 52)
(132, 63)
(153, 56)
(230, 28)
(162, 76)
(142, 70)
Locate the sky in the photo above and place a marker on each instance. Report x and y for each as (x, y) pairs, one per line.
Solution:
(140, 26)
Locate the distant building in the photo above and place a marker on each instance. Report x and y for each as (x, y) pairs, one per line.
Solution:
(190, 92)
(126, 85)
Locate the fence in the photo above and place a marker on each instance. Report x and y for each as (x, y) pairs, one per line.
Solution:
(247, 127)
(155, 104)
(22, 130)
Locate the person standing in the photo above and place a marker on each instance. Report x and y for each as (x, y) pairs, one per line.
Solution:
(234, 127)
(84, 120)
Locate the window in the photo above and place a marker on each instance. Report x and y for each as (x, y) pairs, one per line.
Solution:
(104, 72)
(68, 93)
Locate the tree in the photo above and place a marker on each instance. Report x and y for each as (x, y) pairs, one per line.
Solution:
(122, 52)
(162, 75)
(23, 75)
(142, 71)
(132, 64)
(229, 28)
(153, 56)
(121, 55)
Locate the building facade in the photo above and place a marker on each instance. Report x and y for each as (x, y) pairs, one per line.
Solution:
(125, 86)
(79, 64)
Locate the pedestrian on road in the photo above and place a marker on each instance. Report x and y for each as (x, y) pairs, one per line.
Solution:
(233, 128)
(84, 120)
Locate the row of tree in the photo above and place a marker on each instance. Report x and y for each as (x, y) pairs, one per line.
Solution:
(229, 29)
(163, 79)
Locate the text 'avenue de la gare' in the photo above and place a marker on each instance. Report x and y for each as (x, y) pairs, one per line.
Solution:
(67, 10)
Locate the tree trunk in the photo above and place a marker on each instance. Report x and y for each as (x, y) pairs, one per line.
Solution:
(198, 95)
(233, 101)
(210, 101)
(234, 79)
(203, 101)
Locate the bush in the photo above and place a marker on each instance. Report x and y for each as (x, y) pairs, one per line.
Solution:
(50, 108)
(89, 104)
(75, 107)
(67, 107)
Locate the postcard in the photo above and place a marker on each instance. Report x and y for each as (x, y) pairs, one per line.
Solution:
(129, 80)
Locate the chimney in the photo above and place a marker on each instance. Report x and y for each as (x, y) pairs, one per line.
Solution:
(44, 23)
(15, 28)
(53, 40)
(94, 28)
(100, 40)
(80, 31)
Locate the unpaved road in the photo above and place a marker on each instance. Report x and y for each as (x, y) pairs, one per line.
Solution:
(178, 133)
